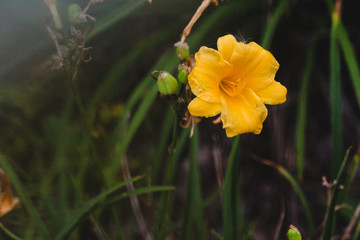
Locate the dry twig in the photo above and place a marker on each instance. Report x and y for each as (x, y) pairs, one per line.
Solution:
(349, 228)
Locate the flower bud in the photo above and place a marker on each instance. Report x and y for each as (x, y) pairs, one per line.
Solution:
(182, 75)
(293, 233)
(166, 83)
(182, 50)
(74, 11)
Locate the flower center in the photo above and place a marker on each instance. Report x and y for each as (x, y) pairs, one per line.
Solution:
(231, 87)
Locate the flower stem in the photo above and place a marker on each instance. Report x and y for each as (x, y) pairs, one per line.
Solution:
(54, 13)
(231, 194)
(167, 197)
(199, 11)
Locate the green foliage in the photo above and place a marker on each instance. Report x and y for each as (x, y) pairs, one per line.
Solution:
(65, 134)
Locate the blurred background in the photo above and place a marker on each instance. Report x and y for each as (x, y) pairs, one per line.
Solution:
(63, 155)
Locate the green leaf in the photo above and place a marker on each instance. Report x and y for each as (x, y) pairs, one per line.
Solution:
(350, 59)
(301, 121)
(272, 23)
(335, 99)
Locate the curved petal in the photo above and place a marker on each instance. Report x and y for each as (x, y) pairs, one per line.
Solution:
(275, 93)
(201, 108)
(254, 65)
(205, 77)
(242, 113)
(226, 45)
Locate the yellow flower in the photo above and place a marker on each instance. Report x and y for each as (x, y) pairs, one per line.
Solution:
(236, 81)
(7, 200)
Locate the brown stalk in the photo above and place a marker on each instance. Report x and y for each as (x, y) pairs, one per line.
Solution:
(281, 219)
(133, 199)
(199, 11)
(134, 202)
(349, 228)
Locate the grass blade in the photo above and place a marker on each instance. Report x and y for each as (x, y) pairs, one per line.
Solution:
(301, 121)
(120, 12)
(335, 98)
(137, 192)
(24, 199)
(351, 174)
(295, 185)
(272, 23)
(89, 207)
(350, 59)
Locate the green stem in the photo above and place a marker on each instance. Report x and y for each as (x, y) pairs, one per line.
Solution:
(55, 15)
(194, 206)
(10, 234)
(330, 218)
(230, 194)
(167, 196)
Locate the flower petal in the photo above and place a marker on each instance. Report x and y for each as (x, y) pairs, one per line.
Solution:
(205, 77)
(226, 45)
(242, 113)
(275, 93)
(254, 65)
(199, 107)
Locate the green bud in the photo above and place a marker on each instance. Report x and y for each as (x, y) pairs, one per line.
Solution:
(293, 233)
(74, 11)
(182, 75)
(166, 83)
(182, 50)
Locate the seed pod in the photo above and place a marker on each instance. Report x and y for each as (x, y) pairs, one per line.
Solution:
(182, 75)
(166, 83)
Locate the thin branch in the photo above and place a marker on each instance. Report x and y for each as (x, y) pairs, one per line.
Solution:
(134, 202)
(281, 219)
(347, 232)
(97, 229)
